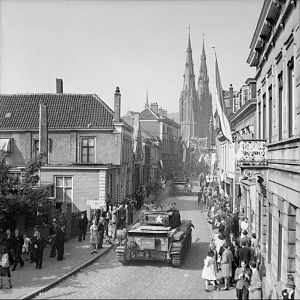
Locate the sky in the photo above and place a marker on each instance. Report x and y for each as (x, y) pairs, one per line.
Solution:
(96, 45)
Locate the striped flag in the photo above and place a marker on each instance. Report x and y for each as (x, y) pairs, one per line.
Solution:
(220, 105)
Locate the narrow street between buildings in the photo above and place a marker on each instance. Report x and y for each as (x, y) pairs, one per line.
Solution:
(106, 278)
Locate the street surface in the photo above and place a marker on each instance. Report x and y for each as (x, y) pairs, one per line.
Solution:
(108, 279)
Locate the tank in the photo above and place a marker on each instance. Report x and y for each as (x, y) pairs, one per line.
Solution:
(159, 235)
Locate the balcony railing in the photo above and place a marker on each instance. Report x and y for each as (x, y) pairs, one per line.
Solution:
(252, 152)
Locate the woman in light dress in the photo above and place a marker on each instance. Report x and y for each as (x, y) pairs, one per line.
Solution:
(209, 270)
(94, 236)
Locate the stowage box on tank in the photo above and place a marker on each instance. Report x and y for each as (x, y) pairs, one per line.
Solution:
(159, 235)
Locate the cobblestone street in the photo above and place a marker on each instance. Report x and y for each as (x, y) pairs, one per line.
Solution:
(107, 278)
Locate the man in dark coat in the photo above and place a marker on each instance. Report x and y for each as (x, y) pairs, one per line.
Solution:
(8, 242)
(101, 230)
(228, 225)
(122, 216)
(52, 237)
(82, 225)
(18, 242)
(60, 243)
(235, 225)
(39, 245)
(244, 254)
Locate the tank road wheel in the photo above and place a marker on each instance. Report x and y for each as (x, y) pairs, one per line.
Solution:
(176, 260)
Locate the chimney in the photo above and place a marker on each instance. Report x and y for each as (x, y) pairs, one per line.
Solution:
(160, 111)
(43, 131)
(59, 86)
(231, 97)
(117, 105)
(154, 107)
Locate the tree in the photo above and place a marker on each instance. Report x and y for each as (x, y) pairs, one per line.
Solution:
(18, 195)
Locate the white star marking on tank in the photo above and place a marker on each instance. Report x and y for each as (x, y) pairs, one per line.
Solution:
(159, 219)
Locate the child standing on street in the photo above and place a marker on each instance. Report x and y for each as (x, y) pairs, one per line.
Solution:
(25, 247)
(5, 271)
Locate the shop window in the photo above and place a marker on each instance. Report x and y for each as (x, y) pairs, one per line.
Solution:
(63, 189)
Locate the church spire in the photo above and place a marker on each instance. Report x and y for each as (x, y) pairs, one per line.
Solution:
(203, 68)
(189, 76)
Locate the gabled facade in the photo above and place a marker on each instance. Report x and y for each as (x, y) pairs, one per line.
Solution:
(89, 145)
(155, 122)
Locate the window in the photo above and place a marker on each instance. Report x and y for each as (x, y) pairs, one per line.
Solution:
(291, 97)
(36, 148)
(110, 186)
(279, 249)
(270, 236)
(270, 114)
(259, 120)
(280, 114)
(63, 189)
(87, 150)
(5, 145)
(264, 117)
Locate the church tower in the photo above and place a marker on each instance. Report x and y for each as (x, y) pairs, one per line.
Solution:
(188, 103)
(204, 96)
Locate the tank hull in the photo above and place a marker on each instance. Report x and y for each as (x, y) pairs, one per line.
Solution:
(170, 246)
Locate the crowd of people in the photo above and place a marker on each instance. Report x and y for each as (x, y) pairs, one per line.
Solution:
(234, 255)
(16, 248)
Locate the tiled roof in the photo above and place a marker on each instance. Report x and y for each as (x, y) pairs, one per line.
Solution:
(21, 111)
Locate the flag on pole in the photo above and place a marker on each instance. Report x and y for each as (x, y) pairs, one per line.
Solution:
(220, 105)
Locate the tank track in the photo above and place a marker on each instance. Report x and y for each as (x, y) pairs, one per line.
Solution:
(121, 257)
(178, 259)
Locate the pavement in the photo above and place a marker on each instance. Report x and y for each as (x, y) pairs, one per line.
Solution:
(29, 282)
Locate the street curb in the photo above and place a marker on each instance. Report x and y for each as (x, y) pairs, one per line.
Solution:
(65, 276)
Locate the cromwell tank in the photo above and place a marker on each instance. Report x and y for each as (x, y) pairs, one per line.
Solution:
(159, 235)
